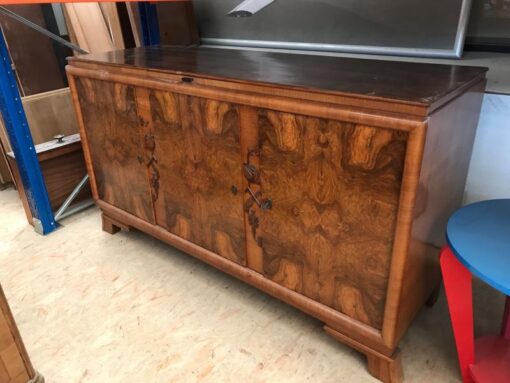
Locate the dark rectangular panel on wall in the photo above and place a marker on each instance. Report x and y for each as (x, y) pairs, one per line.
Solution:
(36, 64)
(177, 23)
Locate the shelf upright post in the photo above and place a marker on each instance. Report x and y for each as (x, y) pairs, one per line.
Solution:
(149, 23)
(16, 124)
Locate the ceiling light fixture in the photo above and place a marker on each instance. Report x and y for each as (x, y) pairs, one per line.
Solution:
(249, 7)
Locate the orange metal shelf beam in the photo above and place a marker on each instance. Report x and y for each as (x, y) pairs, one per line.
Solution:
(15, 2)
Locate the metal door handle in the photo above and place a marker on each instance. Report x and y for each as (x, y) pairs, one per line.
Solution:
(265, 204)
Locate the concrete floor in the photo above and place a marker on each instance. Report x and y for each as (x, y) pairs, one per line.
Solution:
(92, 307)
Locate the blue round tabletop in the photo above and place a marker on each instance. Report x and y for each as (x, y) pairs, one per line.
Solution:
(479, 236)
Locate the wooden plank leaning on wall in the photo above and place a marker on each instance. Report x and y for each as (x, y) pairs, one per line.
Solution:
(36, 64)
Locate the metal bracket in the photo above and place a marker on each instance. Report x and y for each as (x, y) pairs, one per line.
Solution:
(62, 213)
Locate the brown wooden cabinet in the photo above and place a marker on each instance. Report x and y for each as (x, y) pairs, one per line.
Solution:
(325, 182)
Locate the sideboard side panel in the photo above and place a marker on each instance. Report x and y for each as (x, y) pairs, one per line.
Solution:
(448, 145)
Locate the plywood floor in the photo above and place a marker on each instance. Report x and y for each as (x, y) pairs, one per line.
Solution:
(92, 307)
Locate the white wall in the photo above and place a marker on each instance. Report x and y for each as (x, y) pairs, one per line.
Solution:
(489, 171)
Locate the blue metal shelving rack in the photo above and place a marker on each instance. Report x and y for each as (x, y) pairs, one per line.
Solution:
(19, 134)
(22, 145)
(149, 23)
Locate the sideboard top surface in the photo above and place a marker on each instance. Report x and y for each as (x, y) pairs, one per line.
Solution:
(404, 82)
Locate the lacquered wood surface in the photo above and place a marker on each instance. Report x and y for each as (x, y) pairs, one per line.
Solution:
(114, 135)
(335, 190)
(446, 157)
(408, 82)
(197, 154)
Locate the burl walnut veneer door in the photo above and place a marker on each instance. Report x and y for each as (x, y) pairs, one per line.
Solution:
(197, 163)
(331, 191)
(116, 145)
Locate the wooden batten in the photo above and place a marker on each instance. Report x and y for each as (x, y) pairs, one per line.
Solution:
(134, 19)
(94, 27)
(111, 17)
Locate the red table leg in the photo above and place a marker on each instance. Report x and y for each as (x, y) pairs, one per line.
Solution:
(505, 329)
(458, 287)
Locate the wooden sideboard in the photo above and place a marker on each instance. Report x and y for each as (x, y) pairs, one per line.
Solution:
(325, 182)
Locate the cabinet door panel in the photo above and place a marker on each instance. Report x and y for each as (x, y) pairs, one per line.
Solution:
(114, 136)
(198, 160)
(335, 189)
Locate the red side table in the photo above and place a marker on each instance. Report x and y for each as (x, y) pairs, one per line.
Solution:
(478, 238)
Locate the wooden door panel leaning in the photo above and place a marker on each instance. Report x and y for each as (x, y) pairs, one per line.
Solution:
(307, 177)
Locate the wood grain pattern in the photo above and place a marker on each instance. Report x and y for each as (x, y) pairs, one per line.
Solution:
(335, 189)
(197, 157)
(113, 131)
(356, 330)
(338, 107)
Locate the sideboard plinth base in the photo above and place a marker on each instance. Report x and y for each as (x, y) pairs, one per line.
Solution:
(387, 369)
(111, 225)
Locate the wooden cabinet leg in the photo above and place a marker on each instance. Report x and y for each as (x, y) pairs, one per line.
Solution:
(388, 369)
(111, 225)
(38, 378)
